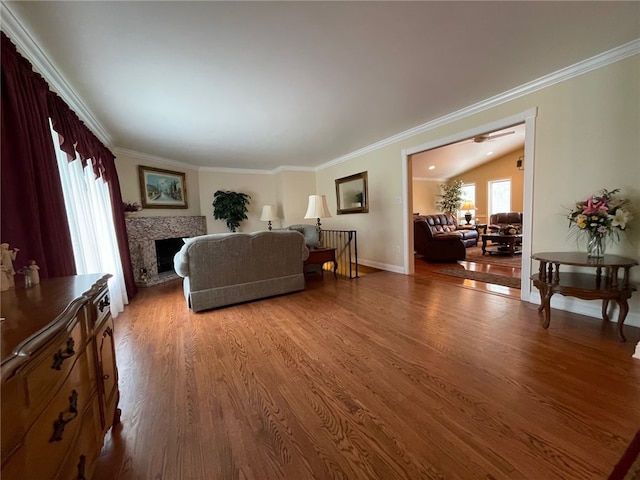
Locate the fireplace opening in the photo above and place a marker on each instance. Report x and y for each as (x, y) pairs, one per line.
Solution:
(165, 251)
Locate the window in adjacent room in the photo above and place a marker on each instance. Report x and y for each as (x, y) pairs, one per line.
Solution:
(499, 196)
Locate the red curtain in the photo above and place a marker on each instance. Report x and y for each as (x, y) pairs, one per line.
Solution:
(78, 140)
(33, 214)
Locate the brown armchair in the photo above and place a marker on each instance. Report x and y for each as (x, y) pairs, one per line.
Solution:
(437, 238)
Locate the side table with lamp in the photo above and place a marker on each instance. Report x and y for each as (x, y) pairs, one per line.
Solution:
(317, 208)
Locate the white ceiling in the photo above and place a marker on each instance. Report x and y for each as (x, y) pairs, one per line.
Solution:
(457, 158)
(268, 84)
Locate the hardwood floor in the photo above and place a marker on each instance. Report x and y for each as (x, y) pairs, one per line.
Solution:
(382, 377)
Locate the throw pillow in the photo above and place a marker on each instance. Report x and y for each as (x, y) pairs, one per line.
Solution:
(310, 232)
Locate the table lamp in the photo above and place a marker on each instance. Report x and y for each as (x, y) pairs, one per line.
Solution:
(468, 206)
(317, 208)
(268, 214)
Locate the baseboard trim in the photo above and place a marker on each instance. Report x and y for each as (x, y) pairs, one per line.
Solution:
(381, 266)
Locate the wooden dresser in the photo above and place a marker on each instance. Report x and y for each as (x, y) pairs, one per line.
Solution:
(59, 378)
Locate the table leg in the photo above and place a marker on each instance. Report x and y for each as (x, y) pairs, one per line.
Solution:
(624, 309)
(484, 246)
(545, 305)
(335, 269)
(605, 307)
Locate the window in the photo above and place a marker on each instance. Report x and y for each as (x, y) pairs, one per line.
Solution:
(468, 192)
(499, 196)
(93, 237)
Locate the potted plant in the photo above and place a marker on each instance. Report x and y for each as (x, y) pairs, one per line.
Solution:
(451, 199)
(231, 207)
(131, 207)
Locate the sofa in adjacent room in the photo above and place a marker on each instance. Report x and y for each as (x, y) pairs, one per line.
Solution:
(227, 268)
(437, 238)
(500, 221)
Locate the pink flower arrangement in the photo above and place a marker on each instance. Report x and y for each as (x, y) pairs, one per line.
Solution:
(602, 214)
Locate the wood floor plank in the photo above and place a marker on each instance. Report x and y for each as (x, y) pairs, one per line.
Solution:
(382, 377)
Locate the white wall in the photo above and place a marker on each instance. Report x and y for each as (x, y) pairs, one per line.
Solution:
(294, 188)
(261, 188)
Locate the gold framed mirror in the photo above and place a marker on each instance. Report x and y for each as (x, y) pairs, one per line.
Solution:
(352, 194)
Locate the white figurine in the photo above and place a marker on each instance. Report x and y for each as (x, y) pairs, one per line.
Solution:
(33, 272)
(6, 265)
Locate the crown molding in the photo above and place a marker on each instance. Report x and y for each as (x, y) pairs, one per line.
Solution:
(145, 157)
(23, 39)
(244, 171)
(30, 49)
(293, 168)
(425, 179)
(567, 73)
(275, 171)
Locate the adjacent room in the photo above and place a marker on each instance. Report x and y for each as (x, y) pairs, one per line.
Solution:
(489, 172)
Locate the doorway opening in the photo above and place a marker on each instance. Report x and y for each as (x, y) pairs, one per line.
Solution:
(523, 163)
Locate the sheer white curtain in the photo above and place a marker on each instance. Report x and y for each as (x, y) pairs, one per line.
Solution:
(93, 236)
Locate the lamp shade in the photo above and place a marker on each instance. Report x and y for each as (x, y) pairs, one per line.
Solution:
(317, 207)
(268, 213)
(468, 205)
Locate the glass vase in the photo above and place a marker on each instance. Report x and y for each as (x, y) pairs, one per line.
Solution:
(596, 246)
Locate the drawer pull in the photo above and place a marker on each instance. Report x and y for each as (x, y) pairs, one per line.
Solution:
(81, 467)
(61, 356)
(104, 303)
(65, 417)
(105, 376)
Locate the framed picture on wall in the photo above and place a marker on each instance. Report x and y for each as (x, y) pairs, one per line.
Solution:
(161, 188)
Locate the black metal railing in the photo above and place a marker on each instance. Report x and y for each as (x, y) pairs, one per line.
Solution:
(346, 244)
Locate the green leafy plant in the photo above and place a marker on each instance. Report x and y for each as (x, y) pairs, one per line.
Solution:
(451, 200)
(231, 207)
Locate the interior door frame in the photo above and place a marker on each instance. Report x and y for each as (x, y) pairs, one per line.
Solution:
(528, 117)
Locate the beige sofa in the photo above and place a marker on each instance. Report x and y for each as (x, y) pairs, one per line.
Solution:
(227, 268)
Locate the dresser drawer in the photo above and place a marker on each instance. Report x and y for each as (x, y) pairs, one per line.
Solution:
(52, 366)
(14, 413)
(81, 461)
(61, 461)
(52, 437)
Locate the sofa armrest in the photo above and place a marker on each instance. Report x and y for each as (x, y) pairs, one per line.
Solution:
(181, 262)
(447, 237)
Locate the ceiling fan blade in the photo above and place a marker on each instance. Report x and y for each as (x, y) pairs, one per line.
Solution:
(486, 137)
(491, 137)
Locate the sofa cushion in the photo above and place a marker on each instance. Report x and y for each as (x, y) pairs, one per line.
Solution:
(310, 232)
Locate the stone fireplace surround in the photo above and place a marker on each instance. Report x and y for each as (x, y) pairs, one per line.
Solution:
(143, 232)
